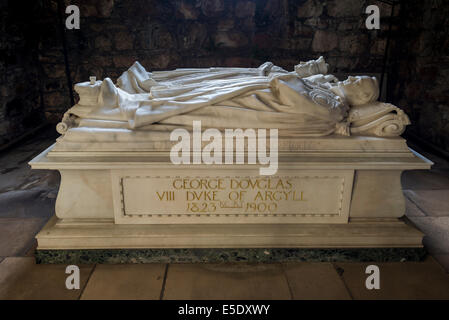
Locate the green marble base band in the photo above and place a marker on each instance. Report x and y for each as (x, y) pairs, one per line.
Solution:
(116, 256)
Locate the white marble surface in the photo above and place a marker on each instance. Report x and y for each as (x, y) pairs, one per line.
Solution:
(306, 102)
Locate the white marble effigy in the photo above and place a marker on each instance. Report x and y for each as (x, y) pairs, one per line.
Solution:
(337, 181)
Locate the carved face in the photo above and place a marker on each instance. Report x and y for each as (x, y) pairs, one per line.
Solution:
(359, 90)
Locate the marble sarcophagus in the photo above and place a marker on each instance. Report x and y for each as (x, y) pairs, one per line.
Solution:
(230, 158)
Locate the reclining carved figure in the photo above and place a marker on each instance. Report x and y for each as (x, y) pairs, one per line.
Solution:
(304, 102)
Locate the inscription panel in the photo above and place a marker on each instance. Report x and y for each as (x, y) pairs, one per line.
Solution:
(297, 197)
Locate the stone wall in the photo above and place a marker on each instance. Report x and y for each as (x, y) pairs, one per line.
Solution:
(201, 33)
(21, 107)
(419, 72)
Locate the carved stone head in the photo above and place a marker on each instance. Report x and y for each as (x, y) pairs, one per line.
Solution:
(358, 90)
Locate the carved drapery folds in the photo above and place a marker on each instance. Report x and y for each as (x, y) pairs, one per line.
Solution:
(378, 119)
(367, 116)
(68, 121)
(305, 102)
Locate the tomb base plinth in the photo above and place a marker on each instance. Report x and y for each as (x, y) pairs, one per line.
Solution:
(327, 193)
(105, 234)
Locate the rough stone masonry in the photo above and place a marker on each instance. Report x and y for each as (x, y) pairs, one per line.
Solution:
(201, 33)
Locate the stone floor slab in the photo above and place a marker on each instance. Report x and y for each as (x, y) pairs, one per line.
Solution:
(443, 260)
(35, 203)
(424, 180)
(315, 281)
(15, 172)
(409, 280)
(21, 278)
(434, 203)
(125, 282)
(226, 281)
(436, 229)
(32, 250)
(411, 210)
(17, 235)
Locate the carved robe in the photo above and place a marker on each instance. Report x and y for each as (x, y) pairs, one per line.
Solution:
(264, 97)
